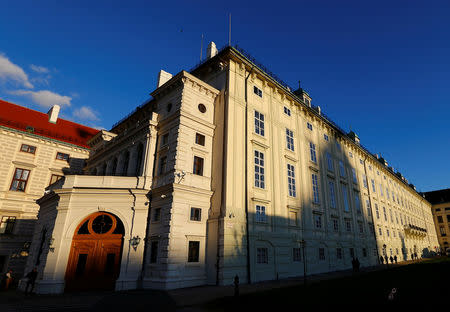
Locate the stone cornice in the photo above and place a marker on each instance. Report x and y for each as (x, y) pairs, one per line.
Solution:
(184, 78)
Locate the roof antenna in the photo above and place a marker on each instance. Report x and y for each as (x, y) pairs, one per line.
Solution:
(229, 32)
(201, 49)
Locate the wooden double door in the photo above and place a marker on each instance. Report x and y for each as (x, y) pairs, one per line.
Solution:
(94, 260)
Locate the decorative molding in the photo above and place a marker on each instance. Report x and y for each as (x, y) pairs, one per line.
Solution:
(260, 144)
(260, 200)
(23, 164)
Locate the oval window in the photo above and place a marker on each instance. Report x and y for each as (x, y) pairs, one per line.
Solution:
(202, 108)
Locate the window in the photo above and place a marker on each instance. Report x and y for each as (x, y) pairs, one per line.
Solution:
(350, 154)
(387, 232)
(381, 189)
(318, 221)
(339, 253)
(296, 254)
(357, 203)
(338, 146)
(380, 232)
(373, 186)
(352, 252)
(384, 213)
(62, 156)
(365, 180)
(198, 165)
(55, 178)
(20, 179)
(309, 126)
(325, 137)
(153, 251)
(289, 140)
(257, 91)
(287, 111)
(312, 151)
(345, 197)
(259, 123)
(387, 193)
(262, 256)
(292, 218)
(377, 212)
(341, 168)
(335, 224)
(332, 194)
(162, 165)
(315, 186)
(259, 169)
(321, 253)
(440, 220)
(261, 213)
(442, 230)
(368, 208)
(390, 213)
(361, 161)
(7, 225)
(364, 250)
(348, 225)
(202, 108)
(196, 214)
(165, 139)
(291, 180)
(355, 180)
(157, 215)
(361, 227)
(28, 148)
(200, 139)
(448, 218)
(194, 250)
(329, 161)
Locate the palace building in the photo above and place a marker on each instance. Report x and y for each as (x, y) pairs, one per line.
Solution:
(440, 200)
(225, 171)
(37, 149)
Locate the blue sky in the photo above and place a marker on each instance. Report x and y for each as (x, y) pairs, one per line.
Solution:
(380, 68)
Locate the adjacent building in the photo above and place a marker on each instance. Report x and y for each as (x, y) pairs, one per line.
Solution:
(225, 171)
(440, 201)
(37, 149)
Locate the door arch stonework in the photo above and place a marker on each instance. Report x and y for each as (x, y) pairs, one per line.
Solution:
(95, 253)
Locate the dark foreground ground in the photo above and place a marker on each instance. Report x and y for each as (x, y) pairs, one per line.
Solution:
(419, 286)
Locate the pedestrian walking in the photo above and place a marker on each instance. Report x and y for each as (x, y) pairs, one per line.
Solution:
(236, 286)
(31, 280)
(395, 259)
(392, 259)
(386, 259)
(381, 259)
(8, 279)
(357, 264)
(412, 256)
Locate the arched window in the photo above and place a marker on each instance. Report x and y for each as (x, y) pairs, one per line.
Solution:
(126, 160)
(140, 156)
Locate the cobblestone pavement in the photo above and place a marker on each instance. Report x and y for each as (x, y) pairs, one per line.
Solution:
(185, 299)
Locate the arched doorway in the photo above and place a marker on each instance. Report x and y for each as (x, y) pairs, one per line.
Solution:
(94, 260)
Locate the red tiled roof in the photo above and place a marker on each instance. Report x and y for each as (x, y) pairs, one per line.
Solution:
(19, 117)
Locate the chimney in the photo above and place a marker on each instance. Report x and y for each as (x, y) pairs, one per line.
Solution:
(212, 50)
(163, 77)
(53, 113)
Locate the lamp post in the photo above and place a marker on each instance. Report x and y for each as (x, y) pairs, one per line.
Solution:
(134, 242)
(304, 261)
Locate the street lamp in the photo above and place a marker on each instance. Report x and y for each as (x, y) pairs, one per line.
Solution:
(134, 242)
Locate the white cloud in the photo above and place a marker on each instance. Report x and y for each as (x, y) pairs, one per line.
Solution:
(44, 98)
(86, 113)
(11, 71)
(39, 69)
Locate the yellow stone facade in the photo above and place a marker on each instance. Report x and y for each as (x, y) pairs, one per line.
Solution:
(226, 172)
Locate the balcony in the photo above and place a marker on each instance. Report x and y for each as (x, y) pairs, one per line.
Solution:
(415, 230)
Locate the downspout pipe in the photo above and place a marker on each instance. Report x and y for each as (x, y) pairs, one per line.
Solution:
(147, 234)
(246, 176)
(370, 203)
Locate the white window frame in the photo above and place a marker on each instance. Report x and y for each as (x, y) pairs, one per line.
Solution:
(259, 169)
(291, 180)
(259, 123)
